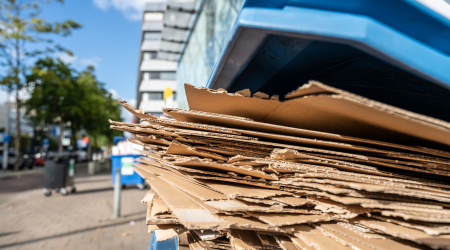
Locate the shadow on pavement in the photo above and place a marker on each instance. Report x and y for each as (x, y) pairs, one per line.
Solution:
(9, 233)
(66, 234)
(93, 191)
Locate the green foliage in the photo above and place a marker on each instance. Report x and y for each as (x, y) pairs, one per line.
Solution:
(21, 26)
(61, 93)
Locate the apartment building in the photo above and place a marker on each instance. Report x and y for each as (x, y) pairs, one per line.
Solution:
(154, 75)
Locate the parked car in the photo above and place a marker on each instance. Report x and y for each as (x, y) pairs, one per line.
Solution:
(26, 161)
(39, 160)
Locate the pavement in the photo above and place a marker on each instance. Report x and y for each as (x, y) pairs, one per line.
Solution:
(81, 220)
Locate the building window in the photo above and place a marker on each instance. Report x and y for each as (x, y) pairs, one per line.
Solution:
(152, 36)
(164, 75)
(152, 96)
(153, 17)
(149, 55)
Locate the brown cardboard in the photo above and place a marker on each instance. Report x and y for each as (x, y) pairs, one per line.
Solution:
(356, 241)
(280, 220)
(237, 243)
(286, 243)
(430, 229)
(182, 149)
(196, 162)
(272, 131)
(151, 228)
(237, 190)
(195, 189)
(241, 206)
(435, 242)
(249, 238)
(268, 241)
(139, 113)
(263, 201)
(148, 198)
(189, 125)
(310, 142)
(244, 182)
(316, 240)
(299, 243)
(159, 207)
(292, 201)
(338, 112)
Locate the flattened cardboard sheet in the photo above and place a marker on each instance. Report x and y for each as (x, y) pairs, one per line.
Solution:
(236, 190)
(337, 112)
(139, 113)
(280, 220)
(182, 149)
(435, 242)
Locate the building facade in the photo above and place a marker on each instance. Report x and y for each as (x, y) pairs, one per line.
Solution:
(154, 74)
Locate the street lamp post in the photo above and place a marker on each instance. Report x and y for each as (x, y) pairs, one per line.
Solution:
(6, 143)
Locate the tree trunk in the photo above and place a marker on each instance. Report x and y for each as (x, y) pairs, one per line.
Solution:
(18, 133)
(61, 136)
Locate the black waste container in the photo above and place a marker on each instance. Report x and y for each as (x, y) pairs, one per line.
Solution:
(59, 172)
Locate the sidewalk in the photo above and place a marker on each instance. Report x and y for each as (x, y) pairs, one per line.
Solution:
(30, 220)
(7, 174)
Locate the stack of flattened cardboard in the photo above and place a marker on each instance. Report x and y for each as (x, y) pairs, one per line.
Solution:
(321, 169)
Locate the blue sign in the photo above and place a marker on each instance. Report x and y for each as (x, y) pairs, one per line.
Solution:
(46, 141)
(56, 130)
(5, 137)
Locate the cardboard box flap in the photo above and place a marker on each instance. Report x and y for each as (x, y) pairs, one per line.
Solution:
(343, 113)
(139, 113)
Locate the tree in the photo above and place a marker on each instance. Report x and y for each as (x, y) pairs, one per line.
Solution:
(20, 27)
(99, 107)
(61, 94)
(55, 96)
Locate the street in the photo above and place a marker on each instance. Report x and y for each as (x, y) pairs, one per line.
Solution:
(76, 221)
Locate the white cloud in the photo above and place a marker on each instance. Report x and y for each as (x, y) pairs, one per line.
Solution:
(94, 61)
(131, 9)
(132, 102)
(65, 57)
(114, 93)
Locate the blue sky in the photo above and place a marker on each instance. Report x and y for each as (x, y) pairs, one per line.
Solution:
(109, 40)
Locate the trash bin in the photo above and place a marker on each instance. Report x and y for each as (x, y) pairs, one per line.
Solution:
(59, 173)
(395, 52)
(127, 174)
